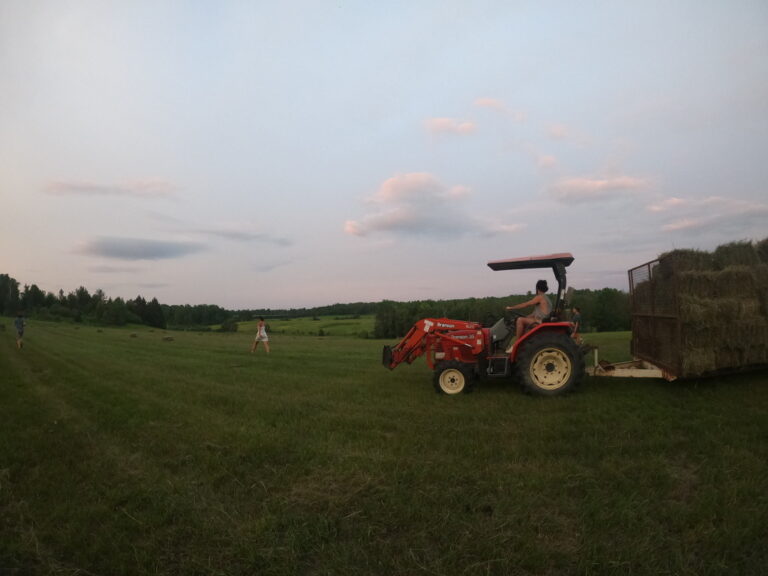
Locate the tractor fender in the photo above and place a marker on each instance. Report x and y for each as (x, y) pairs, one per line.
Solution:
(549, 327)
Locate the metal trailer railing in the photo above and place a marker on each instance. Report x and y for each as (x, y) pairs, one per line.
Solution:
(656, 328)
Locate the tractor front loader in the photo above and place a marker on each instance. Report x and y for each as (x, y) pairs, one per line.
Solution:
(544, 360)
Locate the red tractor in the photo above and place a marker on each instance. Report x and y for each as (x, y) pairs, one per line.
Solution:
(544, 360)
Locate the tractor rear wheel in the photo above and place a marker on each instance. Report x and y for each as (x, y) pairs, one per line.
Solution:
(453, 378)
(549, 364)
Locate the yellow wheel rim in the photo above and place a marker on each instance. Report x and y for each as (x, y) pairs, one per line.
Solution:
(551, 368)
(452, 381)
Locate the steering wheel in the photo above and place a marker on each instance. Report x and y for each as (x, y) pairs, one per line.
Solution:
(511, 316)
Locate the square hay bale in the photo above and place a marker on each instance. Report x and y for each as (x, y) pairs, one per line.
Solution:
(761, 247)
(719, 304)
(677, 261)
(735, 254)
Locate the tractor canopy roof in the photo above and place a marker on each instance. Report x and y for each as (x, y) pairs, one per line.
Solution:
(546, 261)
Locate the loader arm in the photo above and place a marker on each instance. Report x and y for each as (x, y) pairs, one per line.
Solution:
(420, 337)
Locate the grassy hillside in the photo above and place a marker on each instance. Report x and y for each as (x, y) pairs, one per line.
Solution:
(123, 452)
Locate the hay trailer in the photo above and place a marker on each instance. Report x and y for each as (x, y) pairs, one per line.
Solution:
(697, 314)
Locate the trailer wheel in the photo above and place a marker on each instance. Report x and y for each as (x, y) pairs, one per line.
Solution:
(549, 364)
(453, 378)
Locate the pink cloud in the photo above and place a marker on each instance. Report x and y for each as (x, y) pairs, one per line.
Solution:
(684, 224)
(559, 131)
(411, 187)
(449, 126)
(546, 161)
(500, 106)
(575, 190)
(490, 103)
(666, 204)
(353, 228)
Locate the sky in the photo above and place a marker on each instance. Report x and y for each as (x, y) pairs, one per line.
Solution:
(295, 154)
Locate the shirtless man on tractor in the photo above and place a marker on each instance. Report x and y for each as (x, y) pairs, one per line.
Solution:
(542, 309)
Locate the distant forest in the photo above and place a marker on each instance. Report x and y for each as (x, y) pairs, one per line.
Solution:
(603, 310)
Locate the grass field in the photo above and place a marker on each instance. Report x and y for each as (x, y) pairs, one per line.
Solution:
(325, 325)
(124, 455)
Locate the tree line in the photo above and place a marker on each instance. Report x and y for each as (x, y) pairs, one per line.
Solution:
(82, 306)
(603, 310)
(97, 308)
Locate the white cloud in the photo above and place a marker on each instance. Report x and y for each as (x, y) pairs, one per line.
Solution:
(419, 204)
(727, 216)
(449, 126)
(458, 192)
(578, 190)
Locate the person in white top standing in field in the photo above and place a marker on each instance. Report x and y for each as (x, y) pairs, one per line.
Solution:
(261, 336)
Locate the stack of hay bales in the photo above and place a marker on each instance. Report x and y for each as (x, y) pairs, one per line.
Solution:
(722, 306)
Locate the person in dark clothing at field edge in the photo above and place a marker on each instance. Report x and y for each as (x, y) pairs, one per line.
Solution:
(19, 323)
(576, 324)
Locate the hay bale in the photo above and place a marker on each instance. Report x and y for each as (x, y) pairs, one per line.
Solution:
(677, 261)
(720, 301)
(735, 254)
(761, 248)
(761, 280)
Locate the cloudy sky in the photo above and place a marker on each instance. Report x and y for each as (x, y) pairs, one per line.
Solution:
(298, 153)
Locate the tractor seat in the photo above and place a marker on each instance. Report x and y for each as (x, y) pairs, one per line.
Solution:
(499, 331)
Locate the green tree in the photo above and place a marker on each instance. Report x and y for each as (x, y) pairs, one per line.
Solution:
(32, 298)
(83, 299)
(153, 314)
(115, 312)
(9, 295)
(611, 312)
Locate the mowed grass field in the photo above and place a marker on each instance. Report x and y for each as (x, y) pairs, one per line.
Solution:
(352, 326)
(124, 455)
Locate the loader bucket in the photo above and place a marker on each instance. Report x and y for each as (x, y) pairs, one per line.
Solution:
(386, 357)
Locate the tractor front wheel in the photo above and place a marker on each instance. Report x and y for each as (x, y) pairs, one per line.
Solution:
(549, 364)
(453, 378)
